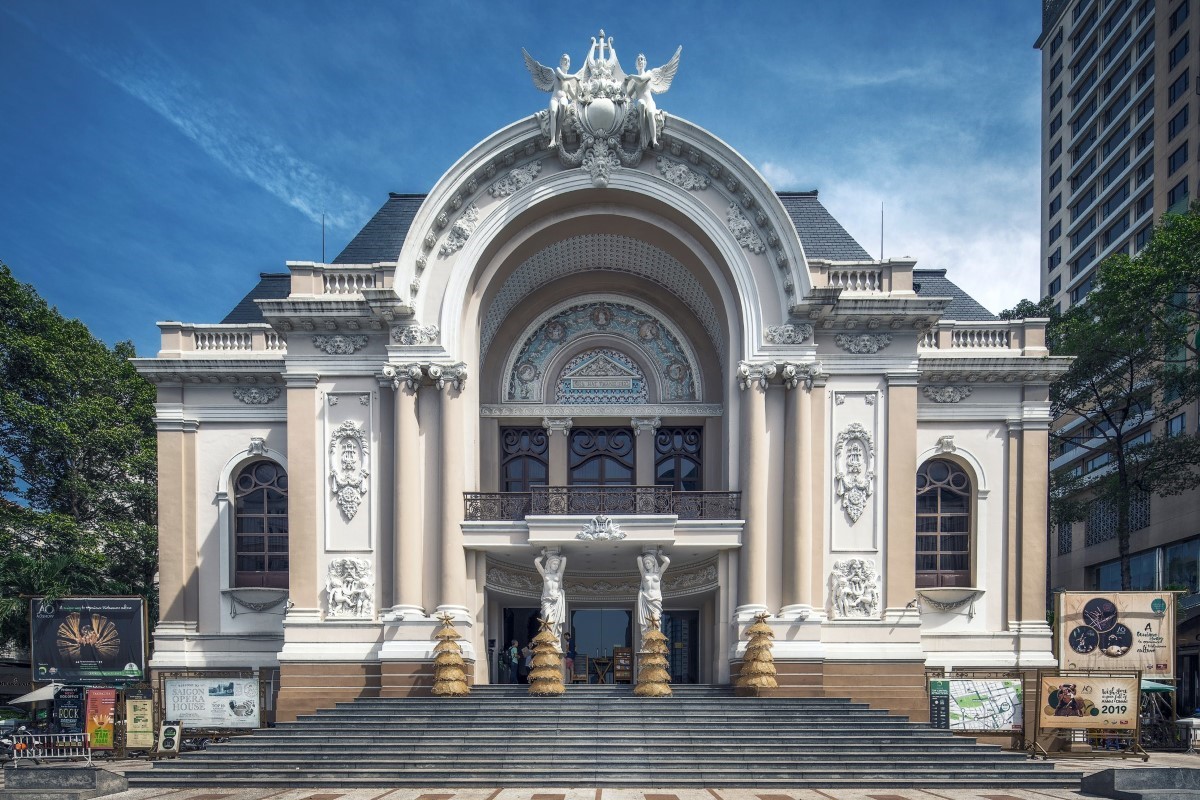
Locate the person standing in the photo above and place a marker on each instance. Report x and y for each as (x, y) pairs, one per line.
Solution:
(569, 660)
(527, 652)
(513, 664)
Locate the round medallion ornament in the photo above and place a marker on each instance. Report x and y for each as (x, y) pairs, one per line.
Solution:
(648, 331)
(556, 331)
(526, 372)
(602, 316)
(677, 372)
(601, 115)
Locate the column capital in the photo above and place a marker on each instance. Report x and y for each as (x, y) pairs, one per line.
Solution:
(794, 375)
(428, 373)
(559, 424)
(640, 424)
(789, 374)
(301, 380)
(755, 373)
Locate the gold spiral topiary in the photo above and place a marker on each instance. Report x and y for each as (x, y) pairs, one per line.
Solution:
(653, 679)
(545, 674)
(449, 674)
(758, 666)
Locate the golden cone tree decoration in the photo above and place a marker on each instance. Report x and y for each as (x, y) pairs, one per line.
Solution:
(449, 675)
(653, 678)
(758, 666)
(545, 674)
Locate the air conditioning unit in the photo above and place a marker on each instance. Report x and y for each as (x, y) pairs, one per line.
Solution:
(170, 734)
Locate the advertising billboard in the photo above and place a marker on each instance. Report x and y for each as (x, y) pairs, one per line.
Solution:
(1117, 631)
(68, 709)
(101, 707)
(88, 639)
(1090, 702)
(212, 702)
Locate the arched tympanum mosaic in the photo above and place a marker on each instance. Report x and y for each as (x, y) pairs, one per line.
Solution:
(657, 341)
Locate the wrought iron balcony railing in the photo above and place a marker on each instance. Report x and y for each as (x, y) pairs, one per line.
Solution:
(591, 500)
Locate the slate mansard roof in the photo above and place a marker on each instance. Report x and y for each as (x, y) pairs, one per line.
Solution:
(823, 237)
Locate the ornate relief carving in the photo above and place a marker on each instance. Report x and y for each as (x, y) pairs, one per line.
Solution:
(601, 528)
(415, 375)
(601, 252)
(662, 410)
(680, 174)
(258, 446)
(649, 424)
(945, 444)
(256, 396)
(791, 333)
(854, 589)
(560, 424)
(461, 231)
(863, 342)
(350, 588)
(599, 107)
(743, 230)
(349, 467)
(690, 579)
(415, 334)
(601, 375)
(443, 375)
(339, 345)
(516, 179)
(854, 458)
(408, 374)
(795, 374)
(364, 399)
(674, 362)
(946, 394)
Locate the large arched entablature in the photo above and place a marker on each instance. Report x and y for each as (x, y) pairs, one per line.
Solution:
(733, 224)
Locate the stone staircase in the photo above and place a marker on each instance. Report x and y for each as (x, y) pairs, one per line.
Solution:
(602, 736)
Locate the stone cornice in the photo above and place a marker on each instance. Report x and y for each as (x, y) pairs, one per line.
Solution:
(214, 371)
(536, 410)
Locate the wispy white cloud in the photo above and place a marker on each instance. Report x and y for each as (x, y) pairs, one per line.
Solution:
(230, 138)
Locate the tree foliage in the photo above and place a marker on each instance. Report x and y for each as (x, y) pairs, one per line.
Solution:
(1134, 364)
(77, 462)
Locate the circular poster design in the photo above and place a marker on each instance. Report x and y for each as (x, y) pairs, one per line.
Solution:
(1101, 614)
(1083, 640)
(1116, 642)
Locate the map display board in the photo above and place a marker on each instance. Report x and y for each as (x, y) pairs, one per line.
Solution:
(977, 705)
(212, 702)
(1117, 631)
(1088, 702)
(88, 639)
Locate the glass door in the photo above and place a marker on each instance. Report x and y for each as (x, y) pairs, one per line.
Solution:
(682, 629)
(596, 632)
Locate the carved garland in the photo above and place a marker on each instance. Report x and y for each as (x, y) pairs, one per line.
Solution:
(349, 471)
(339, 345)
(947, 394)
(256, 396)
(791, 333)
(863, 342)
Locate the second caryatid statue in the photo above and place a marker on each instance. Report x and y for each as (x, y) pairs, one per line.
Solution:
(651, 564)
(552, 565)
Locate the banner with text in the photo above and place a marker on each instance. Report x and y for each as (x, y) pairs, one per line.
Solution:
(101, 722)
(100, 639)
(212, 702)
(1117, 631)
(1086, 702)
(68, 709)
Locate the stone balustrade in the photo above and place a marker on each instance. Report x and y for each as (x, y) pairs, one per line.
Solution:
(339, 280)
(220, 340)
(875, 277)
(1021, 336)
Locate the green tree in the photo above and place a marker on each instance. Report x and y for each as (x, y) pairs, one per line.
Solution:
(77, 461)
(1027, 309)
(1133, 364)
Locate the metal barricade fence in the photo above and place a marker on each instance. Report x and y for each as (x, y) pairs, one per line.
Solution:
(37, 747)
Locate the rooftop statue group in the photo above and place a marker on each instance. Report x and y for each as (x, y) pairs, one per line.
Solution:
(600, 97)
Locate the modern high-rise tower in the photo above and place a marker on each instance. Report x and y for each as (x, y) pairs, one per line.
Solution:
(1120, 147)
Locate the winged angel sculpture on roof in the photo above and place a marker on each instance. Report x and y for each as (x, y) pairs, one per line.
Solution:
(600, 117)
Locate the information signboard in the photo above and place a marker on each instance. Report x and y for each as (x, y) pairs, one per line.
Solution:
(1117, 631)
(1081, 701)
(622, 665)
(68, 709)
(88, 639)
(977, 705)
(139, 718)
(212, 702)
(101, 722)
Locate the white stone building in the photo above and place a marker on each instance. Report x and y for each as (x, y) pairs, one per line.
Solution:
(602, 349)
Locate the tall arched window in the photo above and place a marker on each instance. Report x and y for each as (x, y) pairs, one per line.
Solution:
(943, 525)
(523, 454)
(677, 459)
(261, 526)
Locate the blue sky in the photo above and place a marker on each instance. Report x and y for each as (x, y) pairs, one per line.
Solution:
(156, 156)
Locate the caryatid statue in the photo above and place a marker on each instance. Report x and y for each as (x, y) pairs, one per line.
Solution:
(651, 564)
(553, 565)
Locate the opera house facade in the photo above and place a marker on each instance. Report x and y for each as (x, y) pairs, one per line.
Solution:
(602, 341)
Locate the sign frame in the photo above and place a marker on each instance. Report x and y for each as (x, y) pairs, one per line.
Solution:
(200, 675)
(1133, 732)
(1090, 635)
(37, 611)
(1017, 675)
